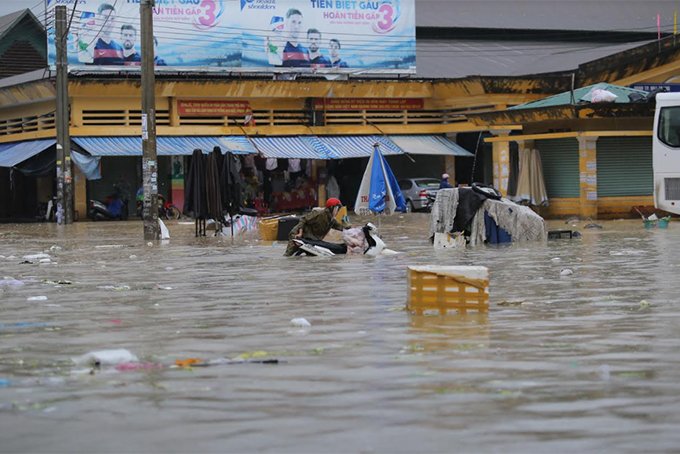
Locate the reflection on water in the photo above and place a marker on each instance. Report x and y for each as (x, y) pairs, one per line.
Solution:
(587, 361)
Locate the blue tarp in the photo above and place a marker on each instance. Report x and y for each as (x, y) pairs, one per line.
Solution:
(303, 147)
(343, 147)
(13, 153)
(165, 146)
(430, 145)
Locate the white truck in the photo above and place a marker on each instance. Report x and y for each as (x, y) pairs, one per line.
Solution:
(666, 152)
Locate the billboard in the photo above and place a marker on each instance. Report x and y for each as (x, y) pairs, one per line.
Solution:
(301, 36)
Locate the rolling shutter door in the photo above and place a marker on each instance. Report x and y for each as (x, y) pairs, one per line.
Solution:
(624, 166)
(560, 167)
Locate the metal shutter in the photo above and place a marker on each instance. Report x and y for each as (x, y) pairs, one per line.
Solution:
(624, 166)
(560, 167)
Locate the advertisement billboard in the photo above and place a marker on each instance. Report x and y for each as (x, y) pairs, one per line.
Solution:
(315, 36)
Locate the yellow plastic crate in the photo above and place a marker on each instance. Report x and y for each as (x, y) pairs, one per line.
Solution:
(445, 288)
(269, 228)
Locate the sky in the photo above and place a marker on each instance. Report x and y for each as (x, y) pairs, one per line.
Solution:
(10, 6)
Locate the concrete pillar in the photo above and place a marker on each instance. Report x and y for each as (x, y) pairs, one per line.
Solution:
(319, 174)
(450, 163)
(79, 195)
(587, 169)
(501, 162)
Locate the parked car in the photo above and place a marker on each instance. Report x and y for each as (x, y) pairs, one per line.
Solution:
(416, 190)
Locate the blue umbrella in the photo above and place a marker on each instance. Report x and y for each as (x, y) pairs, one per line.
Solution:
(379, 192)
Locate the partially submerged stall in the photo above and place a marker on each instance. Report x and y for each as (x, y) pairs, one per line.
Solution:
(476, 215)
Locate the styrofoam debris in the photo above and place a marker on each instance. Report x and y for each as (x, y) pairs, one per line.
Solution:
(37, 298)
(300, 322)
(105, 358)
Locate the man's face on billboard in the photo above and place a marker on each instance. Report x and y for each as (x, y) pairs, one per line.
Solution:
(128, 36)
(314, 39)
(294, 26)
(107, 21)
(334, 48)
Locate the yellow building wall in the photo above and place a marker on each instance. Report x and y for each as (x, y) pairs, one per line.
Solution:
(622, 207)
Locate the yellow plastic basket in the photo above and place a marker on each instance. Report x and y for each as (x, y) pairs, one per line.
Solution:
(268, 228)
(446, 288)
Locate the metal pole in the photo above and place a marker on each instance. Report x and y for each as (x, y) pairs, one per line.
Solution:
(64, 177)
(152, 229)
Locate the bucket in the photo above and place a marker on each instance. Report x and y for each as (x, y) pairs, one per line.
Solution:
(663, 223)
(649, 223)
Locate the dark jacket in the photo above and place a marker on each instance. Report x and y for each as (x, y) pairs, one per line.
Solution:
(315, 225)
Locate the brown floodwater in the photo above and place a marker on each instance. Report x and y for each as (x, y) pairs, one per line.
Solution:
(582, 362)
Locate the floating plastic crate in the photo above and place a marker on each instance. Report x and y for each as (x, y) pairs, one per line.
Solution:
(446, 288)
(560, 234)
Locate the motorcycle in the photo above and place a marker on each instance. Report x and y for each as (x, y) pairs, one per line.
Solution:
(376, 246)
(166, 210)
(114, 209)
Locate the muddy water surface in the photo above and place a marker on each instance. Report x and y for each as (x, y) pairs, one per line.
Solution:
(588, 361)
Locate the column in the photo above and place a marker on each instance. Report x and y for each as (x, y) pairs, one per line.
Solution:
(501, 161)
(450, 163)
(587, 169)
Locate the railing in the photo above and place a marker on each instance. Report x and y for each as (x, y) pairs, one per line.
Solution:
(128, 117)
(27, 124)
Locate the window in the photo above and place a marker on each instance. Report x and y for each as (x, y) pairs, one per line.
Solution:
(669, 126)
(404, 184)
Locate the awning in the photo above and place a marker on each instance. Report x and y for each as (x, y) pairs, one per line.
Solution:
(14, 153)
(429, 145)
(342, 147)
(302, 147)
(165, 146)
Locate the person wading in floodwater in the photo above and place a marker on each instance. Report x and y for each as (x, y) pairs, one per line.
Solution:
(316, 224)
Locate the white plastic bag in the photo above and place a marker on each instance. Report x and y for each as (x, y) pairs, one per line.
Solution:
(355, 240)
(601, 95)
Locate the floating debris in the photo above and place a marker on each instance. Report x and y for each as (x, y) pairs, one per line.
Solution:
(300, 323)
(566, 272)
(37, 298)
(106, 358)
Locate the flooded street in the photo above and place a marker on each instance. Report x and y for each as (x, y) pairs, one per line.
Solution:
(584, 362)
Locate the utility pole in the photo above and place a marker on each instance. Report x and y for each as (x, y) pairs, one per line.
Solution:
(152, 228)
(64, 176)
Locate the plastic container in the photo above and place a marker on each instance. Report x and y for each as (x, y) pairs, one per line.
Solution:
(445, 288)
(268, 229)
(286, 224)
(650, 223)
(663, 222)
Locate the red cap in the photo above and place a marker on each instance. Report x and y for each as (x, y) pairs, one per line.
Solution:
(333, 202)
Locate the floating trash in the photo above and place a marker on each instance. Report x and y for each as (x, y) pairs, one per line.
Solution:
(36, 257)
(300, 323)
(106, 358)
(10, 282)
(137, 366)
(188, 362)
(5, 326)
(120, 287)
(37, 298)
(566, 272)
